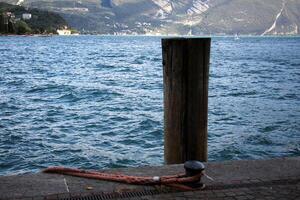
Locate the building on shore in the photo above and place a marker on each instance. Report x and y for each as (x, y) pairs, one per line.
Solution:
(64, 31)
(26, 16)
(7, 22)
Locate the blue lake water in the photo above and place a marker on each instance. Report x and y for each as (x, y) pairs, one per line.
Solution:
(97, 102)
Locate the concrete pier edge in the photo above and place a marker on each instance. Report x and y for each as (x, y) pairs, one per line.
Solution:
(277, 178)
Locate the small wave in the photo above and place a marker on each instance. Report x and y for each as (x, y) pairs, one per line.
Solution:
(70, 97)
(215, 75)
(295, 65)
(100, 94)
(228, 153)
(5, 49)
(258, 140)
(268, 129)
(19, 72)
(48, 88)
(93, 126)
(227, 118)
(125, 161)
(126, 69)
(40, 99)
(138, 61)
(119, 118)
(256, 71)
(217, 113)
(93, 53)
(17, 82)
(103, 66)
(8, 106)
(156, 59)
(148, 123)
(51, 120)
(39, 70)
(132, 141)
(111, 56)
(115, 165)
(287, 97)
(154, 135)
(241, 94)
(294, 150)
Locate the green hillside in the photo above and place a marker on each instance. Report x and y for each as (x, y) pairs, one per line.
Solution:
(40, 22)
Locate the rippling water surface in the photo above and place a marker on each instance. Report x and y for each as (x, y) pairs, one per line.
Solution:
(97, 102)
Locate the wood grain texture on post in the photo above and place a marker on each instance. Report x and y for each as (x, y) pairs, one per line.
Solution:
(186, 72)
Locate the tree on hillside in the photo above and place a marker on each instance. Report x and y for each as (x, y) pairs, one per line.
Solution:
(22, 28)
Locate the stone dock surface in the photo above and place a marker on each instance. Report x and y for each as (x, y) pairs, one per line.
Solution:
(234, 180)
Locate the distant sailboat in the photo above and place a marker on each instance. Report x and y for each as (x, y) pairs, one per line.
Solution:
(236, 37)
(190, 32)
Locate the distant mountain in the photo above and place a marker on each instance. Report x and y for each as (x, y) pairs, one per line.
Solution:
(222, 17)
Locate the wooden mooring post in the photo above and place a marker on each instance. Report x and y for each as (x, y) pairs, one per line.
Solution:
(186, 72)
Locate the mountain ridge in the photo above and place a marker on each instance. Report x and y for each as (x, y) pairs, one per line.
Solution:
(180, 17)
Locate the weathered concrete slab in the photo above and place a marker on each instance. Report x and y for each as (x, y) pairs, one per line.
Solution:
(31, 185)
(231, 175)
(78, 186)
(267, 170)
(274, 192)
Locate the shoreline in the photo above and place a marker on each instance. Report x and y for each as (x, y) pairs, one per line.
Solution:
(34, 35)
(146, 35)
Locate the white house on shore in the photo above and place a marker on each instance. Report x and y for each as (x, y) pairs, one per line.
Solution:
(26, 16)
(64, 32)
